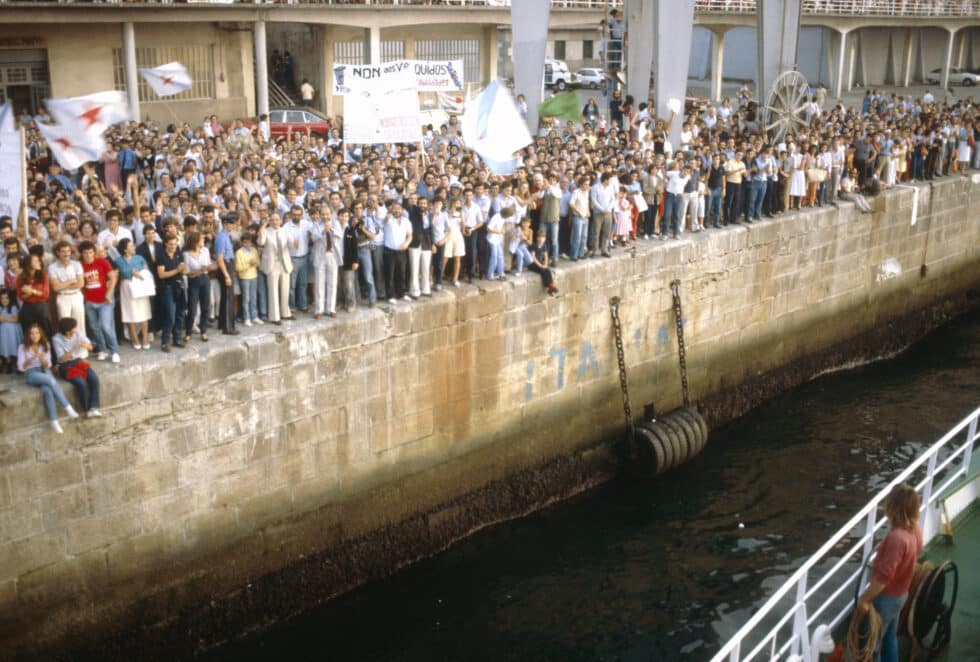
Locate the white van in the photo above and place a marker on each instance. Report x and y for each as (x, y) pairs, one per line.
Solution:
(556, 74)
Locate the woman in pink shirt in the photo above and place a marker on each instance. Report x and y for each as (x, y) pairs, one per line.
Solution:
(894, 565)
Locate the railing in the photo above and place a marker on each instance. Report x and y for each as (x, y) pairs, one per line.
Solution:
(860, 8)
(847, 552)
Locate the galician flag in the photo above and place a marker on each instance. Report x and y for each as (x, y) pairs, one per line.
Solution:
(71, 145)
(92, 113)
(7, 119)
(167, 79)
(492, 127)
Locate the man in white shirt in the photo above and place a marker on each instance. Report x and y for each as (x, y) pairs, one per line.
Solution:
(578, 208)
(397, 237)
(306, 91)
(474, 232)
(677, 177)
(602, 196)
(67, 280)
(299, 231)
(109, 238)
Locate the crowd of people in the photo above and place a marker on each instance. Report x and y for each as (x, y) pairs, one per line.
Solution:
(180, 229)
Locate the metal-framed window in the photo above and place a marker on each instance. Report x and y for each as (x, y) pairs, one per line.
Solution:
(559, 49)
(199, 61)
(352, 52)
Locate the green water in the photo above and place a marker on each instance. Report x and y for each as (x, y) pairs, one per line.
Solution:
(659, 570)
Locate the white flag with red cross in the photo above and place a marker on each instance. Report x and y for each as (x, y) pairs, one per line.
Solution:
(92, 113)
(167, 79)
(71, 145)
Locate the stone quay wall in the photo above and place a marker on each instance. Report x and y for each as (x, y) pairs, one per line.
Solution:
(240, 481)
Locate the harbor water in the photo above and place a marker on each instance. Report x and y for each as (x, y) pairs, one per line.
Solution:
(665, 569)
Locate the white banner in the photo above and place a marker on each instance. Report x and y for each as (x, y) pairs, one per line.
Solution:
(423, 75)
(382, 116)
(11, 174)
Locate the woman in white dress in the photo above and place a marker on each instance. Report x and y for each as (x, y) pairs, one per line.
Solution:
(797, 181)
(963, 148)
(135, 308)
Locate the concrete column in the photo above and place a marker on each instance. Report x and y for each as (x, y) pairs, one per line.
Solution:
(851, 64)
(842, 71)
(960, 49)
(674, 25)
(372, 45)
(261, 69)
(907, 67)
(489, 54)
(325, 57)
(408, 48)
(530, 34)
(639, 55)
(129, 68)
(717, 63)
(778, 34)
(950, 39)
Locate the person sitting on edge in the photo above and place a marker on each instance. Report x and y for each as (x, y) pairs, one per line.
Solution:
(70, 348)
(34, 360)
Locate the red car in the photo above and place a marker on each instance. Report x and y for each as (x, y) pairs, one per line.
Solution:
(299, 119)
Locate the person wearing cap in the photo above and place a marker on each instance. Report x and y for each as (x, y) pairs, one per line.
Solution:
(224, 250)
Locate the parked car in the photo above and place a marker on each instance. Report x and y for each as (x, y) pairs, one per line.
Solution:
(956, 77)
(556, 74)
(281, 120)
(591, 77)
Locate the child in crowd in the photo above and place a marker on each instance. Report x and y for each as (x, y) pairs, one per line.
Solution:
(623, 217)
(10, 332)
(526, 239)
(247, 268)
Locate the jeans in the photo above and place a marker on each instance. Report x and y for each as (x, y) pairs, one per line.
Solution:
(102, 325)
(87, 388)
(378, 267)
(751, 192)
(298, 280)
(495, 265)
(580, 226)
(888, 607)
(714, 208)
(173, 313)
(198, 298)
(250, 288)
(760, 196)
(551, 230)
(523, 258)
(650, 224)
(262, 294)
(50, 390)
(366, 269)
(672, 214)
(475, 250)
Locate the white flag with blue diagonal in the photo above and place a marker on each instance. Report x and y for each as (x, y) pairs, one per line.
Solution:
(492, 126)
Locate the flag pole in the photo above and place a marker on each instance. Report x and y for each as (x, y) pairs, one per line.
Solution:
(22, 212)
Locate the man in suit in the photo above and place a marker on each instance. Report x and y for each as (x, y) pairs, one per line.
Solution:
(276, 265)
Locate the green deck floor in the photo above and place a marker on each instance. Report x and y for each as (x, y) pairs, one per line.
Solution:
(964, 551)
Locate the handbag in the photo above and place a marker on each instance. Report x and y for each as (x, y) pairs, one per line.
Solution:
(816, 175)
(140, 288)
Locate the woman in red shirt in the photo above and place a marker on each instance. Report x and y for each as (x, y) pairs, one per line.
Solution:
(894, 565)
(33, 290)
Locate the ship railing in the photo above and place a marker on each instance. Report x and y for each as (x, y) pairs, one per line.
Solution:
(823, 590)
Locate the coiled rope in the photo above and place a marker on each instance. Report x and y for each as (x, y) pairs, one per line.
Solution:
(861, 642)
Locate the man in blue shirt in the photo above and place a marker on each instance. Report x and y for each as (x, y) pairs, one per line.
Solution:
(128, 161)
(224, 251)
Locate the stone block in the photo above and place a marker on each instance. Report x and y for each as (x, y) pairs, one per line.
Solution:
(260, 511)
(108, 459)
(67, 504)
(263, 445)
(64, 584)
(214, 530)
(22, 556)
(15, 449)
(132, 485)
(22, 520)
(31, 480)
(165, 512)
(137, 559)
